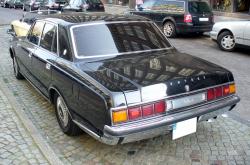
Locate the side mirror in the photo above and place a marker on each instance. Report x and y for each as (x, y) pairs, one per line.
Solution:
(11, 32)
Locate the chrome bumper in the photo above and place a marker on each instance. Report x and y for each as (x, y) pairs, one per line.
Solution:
(162, 125)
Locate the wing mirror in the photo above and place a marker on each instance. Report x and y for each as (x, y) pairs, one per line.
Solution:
(11, 32)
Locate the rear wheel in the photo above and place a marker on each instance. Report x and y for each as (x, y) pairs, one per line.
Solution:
(17, 73)
(64, 119)
(169, 29)
(226, 41)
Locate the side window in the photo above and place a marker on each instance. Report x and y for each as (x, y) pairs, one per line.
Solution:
(170, 6)
(49, 38)
(35, 33)
(64, 46)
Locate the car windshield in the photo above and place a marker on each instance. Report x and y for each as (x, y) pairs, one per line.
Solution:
(148, 4)
(196, 7)
(115, 38)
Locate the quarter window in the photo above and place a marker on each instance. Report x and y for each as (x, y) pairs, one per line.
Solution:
(35, 34)
(49, 38)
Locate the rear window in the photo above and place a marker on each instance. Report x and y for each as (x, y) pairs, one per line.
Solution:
(196, 7)
(115, 38)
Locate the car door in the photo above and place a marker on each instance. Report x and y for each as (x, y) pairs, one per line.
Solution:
(26, 49)
(247, 34)
(44, 56)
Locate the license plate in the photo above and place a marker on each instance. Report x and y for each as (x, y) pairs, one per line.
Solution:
(188, 100)
(203, 19)
(184, 128)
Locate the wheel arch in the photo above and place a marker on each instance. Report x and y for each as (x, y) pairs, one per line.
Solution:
(168, 19)
(224, 30)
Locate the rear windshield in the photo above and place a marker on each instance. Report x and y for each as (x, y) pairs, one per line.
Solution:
(196, 7)
(115, 38)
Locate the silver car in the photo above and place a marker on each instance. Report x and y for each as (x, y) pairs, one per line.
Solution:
(230, 33)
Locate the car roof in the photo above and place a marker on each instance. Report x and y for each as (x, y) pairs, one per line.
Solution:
(68, 19)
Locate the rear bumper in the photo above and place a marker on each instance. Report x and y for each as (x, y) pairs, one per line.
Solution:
(190, 28)
(162, 125)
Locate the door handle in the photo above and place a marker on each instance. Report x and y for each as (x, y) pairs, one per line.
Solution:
(48, 66)
(30, 55)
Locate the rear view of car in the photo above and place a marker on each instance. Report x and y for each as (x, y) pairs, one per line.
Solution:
(178, 16)
(84, 5)
(30, 5)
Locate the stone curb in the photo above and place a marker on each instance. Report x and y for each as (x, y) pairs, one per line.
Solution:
(44, 147)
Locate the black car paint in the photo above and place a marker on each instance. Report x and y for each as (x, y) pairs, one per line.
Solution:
(88, 90)
(161, 17)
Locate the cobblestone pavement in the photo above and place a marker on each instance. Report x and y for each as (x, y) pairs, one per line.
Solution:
(224, 141)
(16, 145)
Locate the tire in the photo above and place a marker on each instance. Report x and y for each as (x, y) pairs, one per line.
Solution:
(64, 119)
(226, 41)
(17, 73)
(169, 29)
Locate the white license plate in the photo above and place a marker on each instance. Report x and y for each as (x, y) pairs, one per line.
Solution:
(203, 19)
(188, 100)
(184, 128)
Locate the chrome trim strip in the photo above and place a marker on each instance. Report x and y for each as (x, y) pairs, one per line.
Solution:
(115, 54)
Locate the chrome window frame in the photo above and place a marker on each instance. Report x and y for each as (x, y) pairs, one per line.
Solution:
(115, 54)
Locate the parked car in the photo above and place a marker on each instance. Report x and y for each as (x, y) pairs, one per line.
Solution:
(178, 16)
(2, 3)
(21, 27)
(30, 5)
(229, 34)
(129, 86)
(16, 4)
(5, 3)
(84, 5)
(54, 4)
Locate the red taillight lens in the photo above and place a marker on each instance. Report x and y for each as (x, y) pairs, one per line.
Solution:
(218, 92)
(188, 18)
(160, 107)
(147, 110)
(226, 90)
(134, 113)
(210, 94)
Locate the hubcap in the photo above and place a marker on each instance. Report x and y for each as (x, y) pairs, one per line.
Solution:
(62, 111)
(228, 42)
(168, 29)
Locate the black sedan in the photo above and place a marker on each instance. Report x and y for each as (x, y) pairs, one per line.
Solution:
(118, 78)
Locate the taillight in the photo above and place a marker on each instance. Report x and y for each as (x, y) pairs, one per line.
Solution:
(160, 107)
(119, 116)
(226, 90)
(138, 112)
(147, 110)
(210, 94)
(232, 88)
(188, 18)
(217, 92)
(134, 113)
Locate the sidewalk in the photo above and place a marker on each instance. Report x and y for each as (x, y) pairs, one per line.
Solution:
(16, 145)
